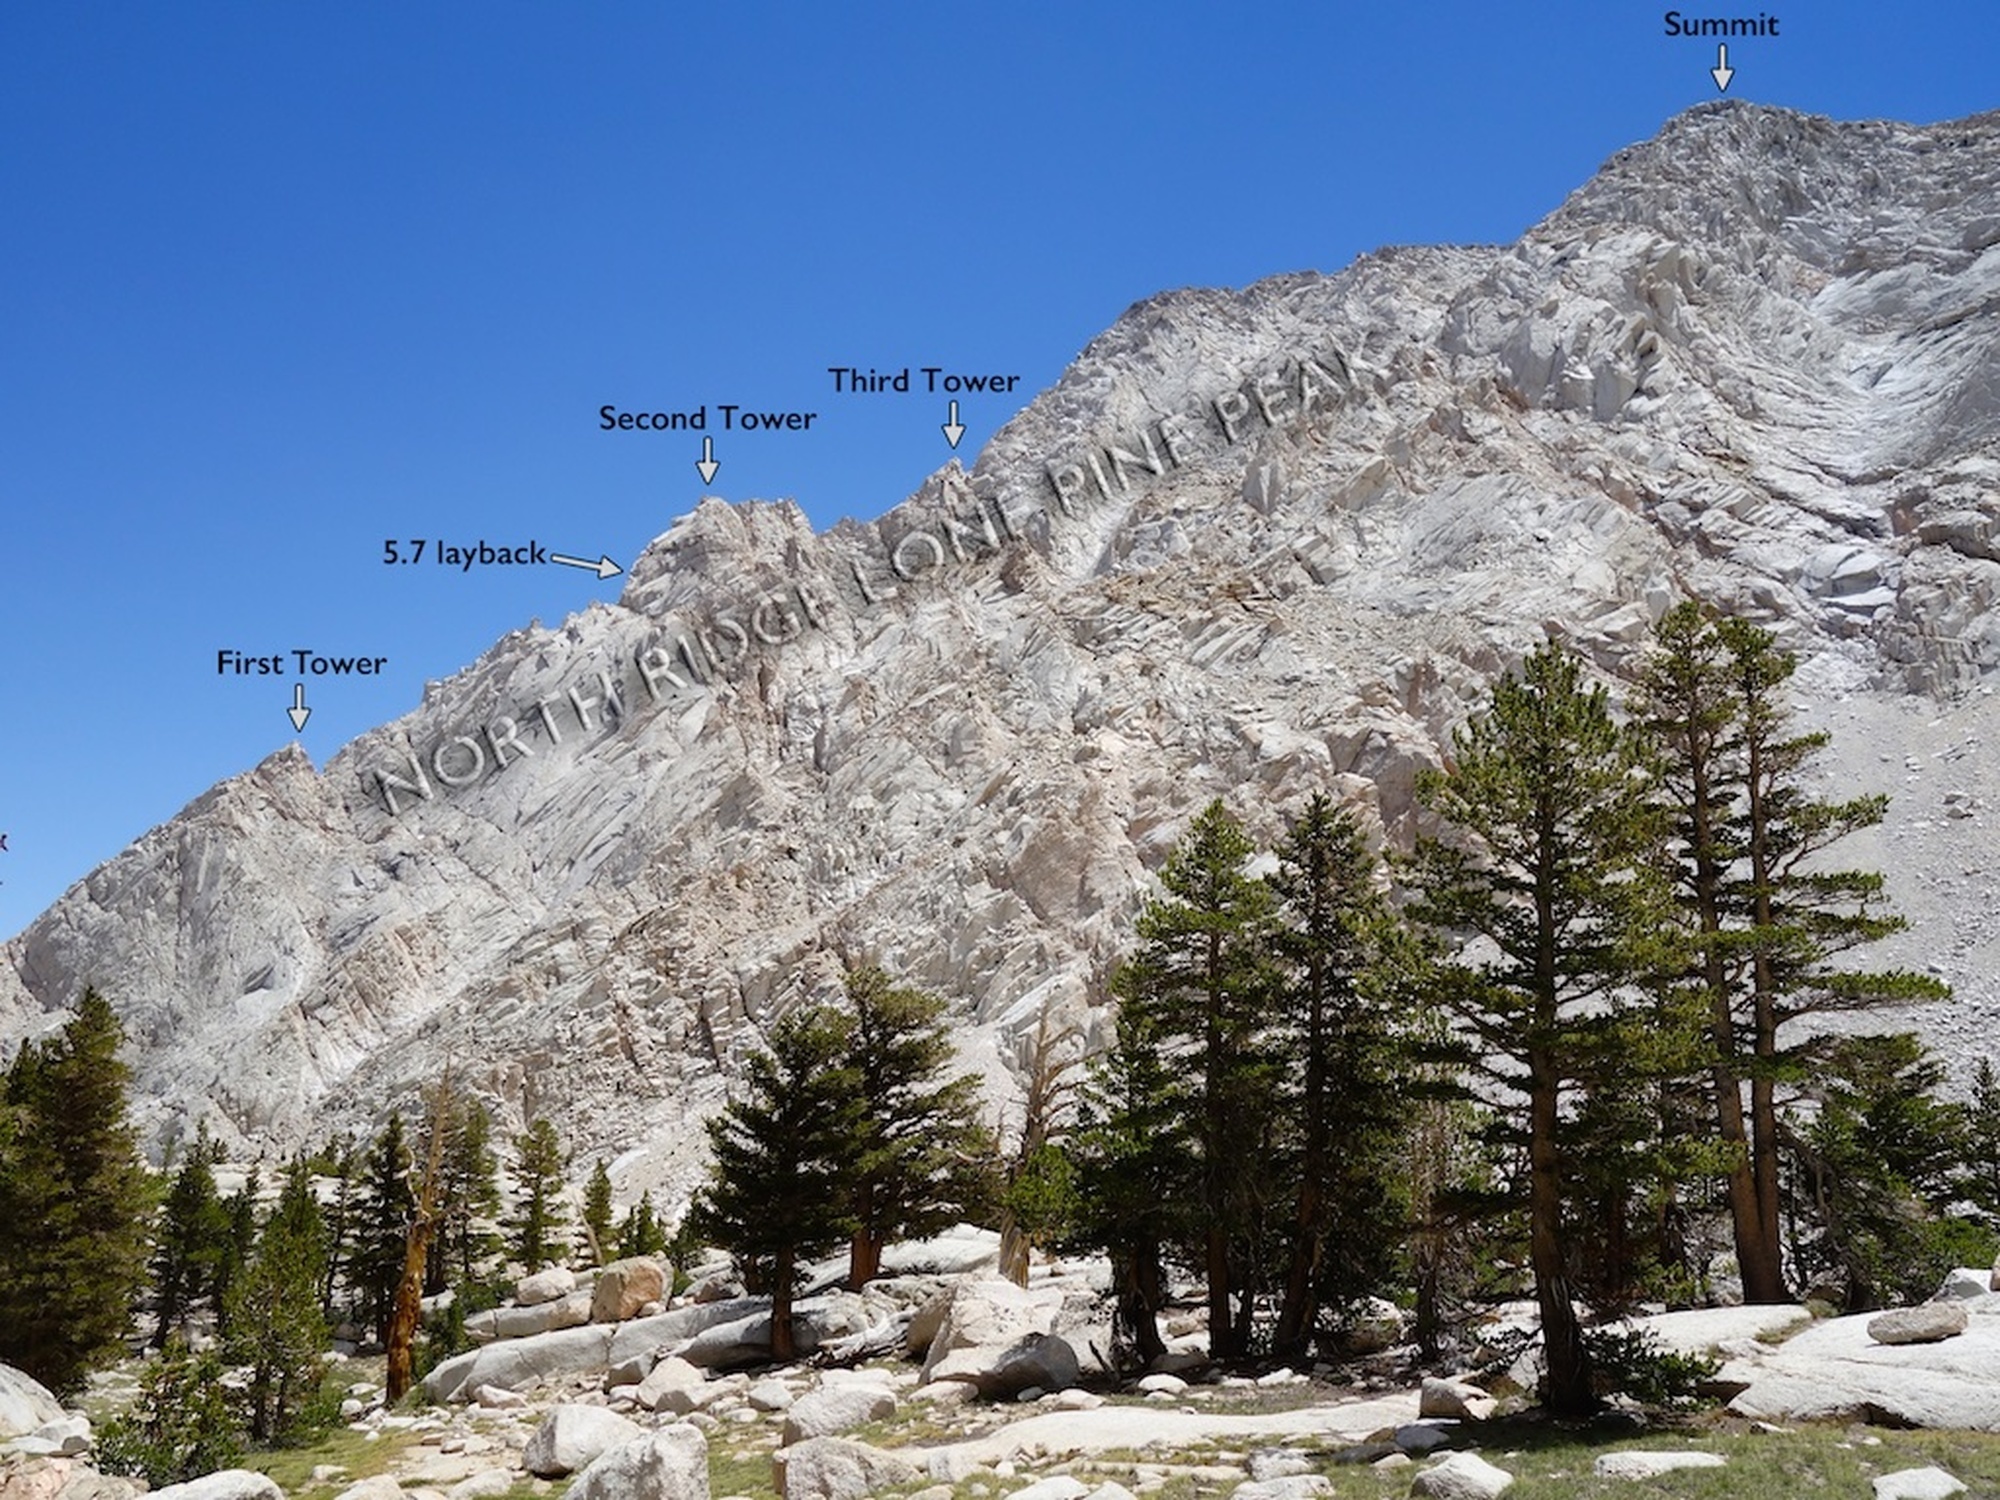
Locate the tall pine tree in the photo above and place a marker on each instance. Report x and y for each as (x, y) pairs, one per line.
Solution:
(782, 1156)
(74, 1201)
(1203, 978)
(922, 1158)
(539, 1163)
(1542, 869)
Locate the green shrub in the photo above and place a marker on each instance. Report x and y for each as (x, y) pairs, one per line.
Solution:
(181, 1427)
(1632, 1362)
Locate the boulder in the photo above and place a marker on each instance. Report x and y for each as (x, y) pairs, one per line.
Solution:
(1370, 1326)
(571, 1436)
(1278, 1463)
(1291, 1487)
(224, 1484)
(25, 1478)
(25, 1403)
(1161, 1385)
(544, 1286)
(377, 1487)
(668, 1464)
(1917, 1484)
(571, 1311)
(836, 1409)
(1638, 1463)
(498, 1398)
(744, 1341)
(1055, 1487)
(487, 1484)
(831, 1468)
(1455, 1399)
(64, 1437)
(1835, 1371)
(1964, 1283)
(1927, 1324)
(516, 1363)
(669, 1332)
(1462, 1476)
(984, 1317)
(670, 1374)
(770, 1395)
(625, 1286)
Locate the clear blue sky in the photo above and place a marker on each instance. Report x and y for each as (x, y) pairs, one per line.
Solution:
(280, 281)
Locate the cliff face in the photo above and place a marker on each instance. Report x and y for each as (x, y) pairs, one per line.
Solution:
(1252, 544)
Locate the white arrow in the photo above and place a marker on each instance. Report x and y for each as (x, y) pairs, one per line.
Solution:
(298, 711)
(1721, 72)
(706, 466)
(952, 431)
(604, 567)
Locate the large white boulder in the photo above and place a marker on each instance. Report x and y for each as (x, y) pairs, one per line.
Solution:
(669, 1332)
(1926, 1324)
(998, 1337)
(544, 1286)
(1457, 1399)
(669, 1375)
(25, 1403)
(836, 1409)
(571, 1436)
(1835, 1371)
(1462, 1476)
(1918, 1484)
(224, 1484)
(670, 1463)
(831, 1468)
(514, 1364)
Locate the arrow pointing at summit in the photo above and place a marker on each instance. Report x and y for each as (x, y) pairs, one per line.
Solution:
(1721, 72)
(604, 567)
(952, 431)
(706, 464)
(298, 712)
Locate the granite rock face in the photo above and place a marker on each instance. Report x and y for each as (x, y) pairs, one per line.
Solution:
(1257, 543)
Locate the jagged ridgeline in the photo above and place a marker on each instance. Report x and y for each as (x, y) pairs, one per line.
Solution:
(1253, 544)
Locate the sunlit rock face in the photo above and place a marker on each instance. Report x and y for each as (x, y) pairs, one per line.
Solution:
(1252, 544)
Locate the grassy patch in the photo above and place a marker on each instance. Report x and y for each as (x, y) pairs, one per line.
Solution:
(292, 1467)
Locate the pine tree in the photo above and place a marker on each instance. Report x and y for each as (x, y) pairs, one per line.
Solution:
(339, 1159)
(1133, 1154)
(1762, 915)
(782, 1154)
(239, 1244)
(1038, 1201)
(920, 1159)
(191, 1240)
(181, 1426)
(74, 1201)
(466, 1244)
(1979, 1182)
(1545, 856)
(1876, 1172)
(1203, 975)
(640, 1232)
(539, 1166)
(1345, 1109)
(275, 1327)
(382, 1226)
(597, 1212)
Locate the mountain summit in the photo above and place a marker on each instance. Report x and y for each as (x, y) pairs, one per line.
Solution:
(1252, 544)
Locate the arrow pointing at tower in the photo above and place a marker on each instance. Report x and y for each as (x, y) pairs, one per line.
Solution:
(706, 465)
(298, 712)
(952, 431)
(604, 567)
(1722, 72)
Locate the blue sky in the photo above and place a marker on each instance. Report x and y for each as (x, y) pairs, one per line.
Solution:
(278, 282)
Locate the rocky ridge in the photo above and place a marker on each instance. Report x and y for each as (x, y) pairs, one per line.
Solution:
(1253, 543)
